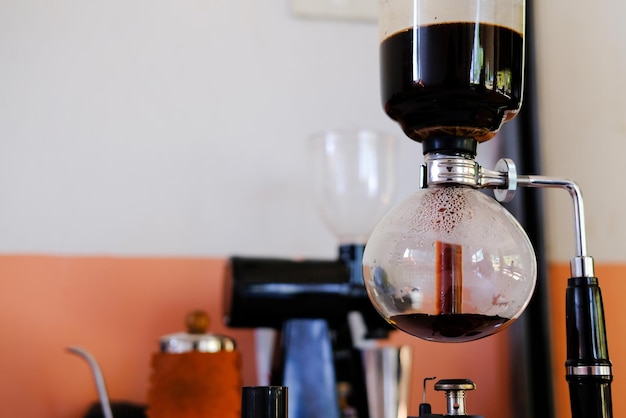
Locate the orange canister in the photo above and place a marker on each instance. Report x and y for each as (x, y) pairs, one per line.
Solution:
(195, 374)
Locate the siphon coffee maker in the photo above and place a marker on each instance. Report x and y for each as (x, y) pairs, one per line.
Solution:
(450, 264)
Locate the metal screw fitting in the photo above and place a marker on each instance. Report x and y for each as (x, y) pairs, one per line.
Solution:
(455, 394)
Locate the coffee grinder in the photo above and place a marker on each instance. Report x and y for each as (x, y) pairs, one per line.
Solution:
(450, 264)
(325, 319)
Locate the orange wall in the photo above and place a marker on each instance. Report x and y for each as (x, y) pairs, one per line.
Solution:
(114, 308)
(117, 308)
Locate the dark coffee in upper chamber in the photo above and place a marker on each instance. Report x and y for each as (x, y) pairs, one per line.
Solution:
(452, 79)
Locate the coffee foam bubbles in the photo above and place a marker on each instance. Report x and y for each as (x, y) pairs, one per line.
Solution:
(452, 214)
(441, 211)
(399, 15)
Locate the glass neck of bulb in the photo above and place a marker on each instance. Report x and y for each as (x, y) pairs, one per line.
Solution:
(450, 145)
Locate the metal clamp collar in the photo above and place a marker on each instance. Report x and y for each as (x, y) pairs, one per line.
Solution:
(439, 169)
(588, 370)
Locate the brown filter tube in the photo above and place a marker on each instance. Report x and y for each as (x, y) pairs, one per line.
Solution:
(195, 385)
(449, 277)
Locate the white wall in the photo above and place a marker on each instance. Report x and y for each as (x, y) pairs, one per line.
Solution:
(179, 127)
(175, 127)
(582, 82)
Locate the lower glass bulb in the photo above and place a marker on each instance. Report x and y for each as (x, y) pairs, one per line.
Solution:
(449, 264)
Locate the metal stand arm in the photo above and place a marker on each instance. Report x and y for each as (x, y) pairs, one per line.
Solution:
(588, 368)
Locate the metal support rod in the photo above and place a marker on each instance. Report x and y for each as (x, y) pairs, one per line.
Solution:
(582, 264)
(588, 368)
(440, 169)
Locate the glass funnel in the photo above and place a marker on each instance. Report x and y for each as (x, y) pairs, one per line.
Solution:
(354, 181)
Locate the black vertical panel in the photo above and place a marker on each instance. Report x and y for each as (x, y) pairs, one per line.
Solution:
(532, 386)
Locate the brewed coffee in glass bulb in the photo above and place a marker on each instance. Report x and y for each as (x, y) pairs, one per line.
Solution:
(450, 264)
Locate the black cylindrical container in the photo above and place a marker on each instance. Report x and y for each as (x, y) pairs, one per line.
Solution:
(264, 402)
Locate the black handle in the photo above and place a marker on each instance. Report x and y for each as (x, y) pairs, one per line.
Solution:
(265, 292)
(588, 368)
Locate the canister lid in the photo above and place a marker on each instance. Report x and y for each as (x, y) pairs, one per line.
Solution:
(196, 338)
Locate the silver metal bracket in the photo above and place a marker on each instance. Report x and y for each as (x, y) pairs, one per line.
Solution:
(442, 169)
